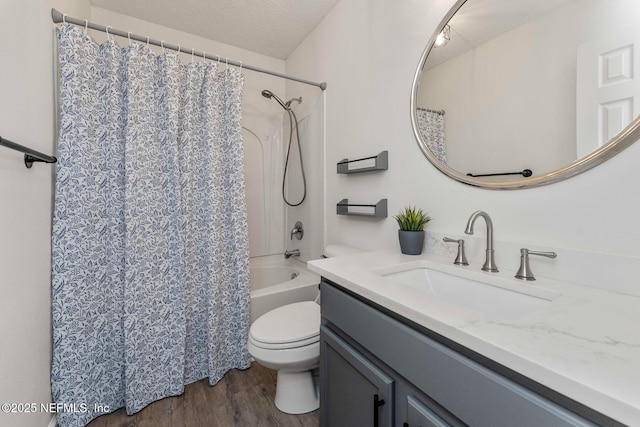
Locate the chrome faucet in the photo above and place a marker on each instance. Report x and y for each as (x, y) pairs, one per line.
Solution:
(489, 263)
(293, 252)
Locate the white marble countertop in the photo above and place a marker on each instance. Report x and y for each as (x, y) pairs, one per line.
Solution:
(584, 344)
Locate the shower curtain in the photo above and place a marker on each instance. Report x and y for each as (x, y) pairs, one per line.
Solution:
(150, 242)
(431, 126)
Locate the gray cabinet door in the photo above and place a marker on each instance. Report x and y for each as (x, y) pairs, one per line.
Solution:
(353, 391)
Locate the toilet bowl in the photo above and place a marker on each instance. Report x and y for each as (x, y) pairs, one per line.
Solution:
(287, 339)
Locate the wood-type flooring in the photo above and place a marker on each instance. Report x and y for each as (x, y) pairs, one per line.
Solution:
(241, 398)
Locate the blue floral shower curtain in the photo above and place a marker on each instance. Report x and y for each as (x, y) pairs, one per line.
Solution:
(150, 241)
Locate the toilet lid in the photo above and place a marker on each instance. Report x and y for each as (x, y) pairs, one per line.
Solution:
(287, 324)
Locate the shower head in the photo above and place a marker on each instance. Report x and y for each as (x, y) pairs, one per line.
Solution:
(286, 105)
(268, 94)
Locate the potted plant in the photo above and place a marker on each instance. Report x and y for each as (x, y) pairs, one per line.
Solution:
(411, 234)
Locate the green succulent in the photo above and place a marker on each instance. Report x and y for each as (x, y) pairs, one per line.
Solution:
(412, 219)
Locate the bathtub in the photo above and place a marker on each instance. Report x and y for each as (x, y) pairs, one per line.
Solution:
(276, 281)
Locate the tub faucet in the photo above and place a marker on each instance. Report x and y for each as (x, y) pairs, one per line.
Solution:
(293, 252)
(489, 263)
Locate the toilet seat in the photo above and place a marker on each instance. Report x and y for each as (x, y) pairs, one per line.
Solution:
(290, 326)
(284, 346)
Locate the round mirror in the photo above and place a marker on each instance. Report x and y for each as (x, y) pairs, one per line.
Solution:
(516, 94)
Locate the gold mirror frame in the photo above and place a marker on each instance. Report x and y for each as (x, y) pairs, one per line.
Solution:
(621, 141)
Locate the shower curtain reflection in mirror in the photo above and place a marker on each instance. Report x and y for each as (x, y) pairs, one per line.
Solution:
(150, 246)
(431, 127)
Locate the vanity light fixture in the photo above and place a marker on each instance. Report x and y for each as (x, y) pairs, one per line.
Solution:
(444, 37)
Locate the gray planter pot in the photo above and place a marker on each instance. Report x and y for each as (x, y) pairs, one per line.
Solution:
(411, 242)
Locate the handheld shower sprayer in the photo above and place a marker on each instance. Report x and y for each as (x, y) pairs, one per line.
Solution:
(292, 118)
(268, 94)
(286, 105)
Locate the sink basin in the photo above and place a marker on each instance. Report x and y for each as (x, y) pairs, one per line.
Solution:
(494, 300)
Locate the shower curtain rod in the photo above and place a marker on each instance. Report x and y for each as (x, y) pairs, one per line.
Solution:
(59, 17)
(429, 110)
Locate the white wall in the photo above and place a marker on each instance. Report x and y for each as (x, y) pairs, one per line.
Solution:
(368, 51)
(27, 117)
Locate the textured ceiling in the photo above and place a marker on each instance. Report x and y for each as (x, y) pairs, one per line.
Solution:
(274, 27)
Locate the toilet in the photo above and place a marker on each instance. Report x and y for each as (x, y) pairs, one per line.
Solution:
(287, 339)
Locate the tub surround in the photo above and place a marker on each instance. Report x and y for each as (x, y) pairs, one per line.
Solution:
(584, 344)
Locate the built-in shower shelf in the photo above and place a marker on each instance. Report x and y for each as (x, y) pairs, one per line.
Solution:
(379, 210)
(366, 164)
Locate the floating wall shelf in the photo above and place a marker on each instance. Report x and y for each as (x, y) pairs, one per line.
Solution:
(379, 210)
(381, 162)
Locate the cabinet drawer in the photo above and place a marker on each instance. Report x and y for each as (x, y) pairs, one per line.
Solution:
(475, 394)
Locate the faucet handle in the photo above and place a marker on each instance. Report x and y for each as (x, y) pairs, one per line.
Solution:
(297, 230)
(524, 272)
(461, 259)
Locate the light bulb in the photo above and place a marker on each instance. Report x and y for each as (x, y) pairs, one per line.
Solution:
(444, 37)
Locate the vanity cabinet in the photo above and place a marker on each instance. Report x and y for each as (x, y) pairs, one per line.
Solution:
(377, 370)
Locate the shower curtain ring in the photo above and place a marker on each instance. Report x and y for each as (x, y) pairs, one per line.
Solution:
(129, 37)
(162, 46)
(86, 25)
(192, 51)
(178, 49)
(107, 30)
(64, 18)
(226, 61)
(204, 57)
(240, 66)
(147, 42)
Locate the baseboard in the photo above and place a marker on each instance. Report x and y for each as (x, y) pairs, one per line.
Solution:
(53, 422)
